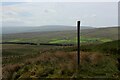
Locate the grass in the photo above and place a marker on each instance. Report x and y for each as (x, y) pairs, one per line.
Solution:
(105, 40)
(15, 53)
(9, 70)
(63, 66)
(98, 56)
(82, 40)
(61, 62)
(108, 47)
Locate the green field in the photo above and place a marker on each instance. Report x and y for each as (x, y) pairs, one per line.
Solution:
(82, 40)
(63, 40)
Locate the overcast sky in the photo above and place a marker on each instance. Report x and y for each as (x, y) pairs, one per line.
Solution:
(96, 14)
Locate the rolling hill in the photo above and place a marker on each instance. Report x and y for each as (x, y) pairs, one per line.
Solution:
(103, 33)
(108, 32)
(45, 28)
(33, 61)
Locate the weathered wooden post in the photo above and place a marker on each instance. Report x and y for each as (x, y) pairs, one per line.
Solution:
(78, 43)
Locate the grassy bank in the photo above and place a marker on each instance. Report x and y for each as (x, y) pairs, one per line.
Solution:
(60, 62)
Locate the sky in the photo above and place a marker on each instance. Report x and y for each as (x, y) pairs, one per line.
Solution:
(95, 14)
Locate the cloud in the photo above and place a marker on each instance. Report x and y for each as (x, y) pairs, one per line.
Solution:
(13, 23)
(49, 11)
(93, 15)
(15, 13)
(59, 13)
(29, 1)
(18, 1)
(10, 3)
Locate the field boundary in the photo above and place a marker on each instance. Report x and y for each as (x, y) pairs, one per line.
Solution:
(29, 43)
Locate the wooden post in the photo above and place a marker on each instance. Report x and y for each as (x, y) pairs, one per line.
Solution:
(78, 43)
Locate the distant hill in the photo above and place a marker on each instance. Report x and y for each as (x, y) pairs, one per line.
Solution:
(108, 32)
(10, 30)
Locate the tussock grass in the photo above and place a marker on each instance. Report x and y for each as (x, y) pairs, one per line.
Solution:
(8, 70)
(61, 63)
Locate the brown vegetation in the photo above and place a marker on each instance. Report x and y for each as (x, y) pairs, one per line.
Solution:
(8, 70)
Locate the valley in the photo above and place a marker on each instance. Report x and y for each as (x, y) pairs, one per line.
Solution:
(99, 54)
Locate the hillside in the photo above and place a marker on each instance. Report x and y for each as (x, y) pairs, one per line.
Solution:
(109, 33)
(45, 28)
(112, 47)
(98, 60)
(34, 62)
